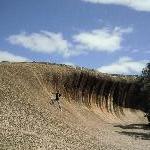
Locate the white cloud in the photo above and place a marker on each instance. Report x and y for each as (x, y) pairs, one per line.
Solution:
(125, 65)
(106, 39)
(6, 56)
(139, 5)
(101, 39)
(45, 42)
(68, 63)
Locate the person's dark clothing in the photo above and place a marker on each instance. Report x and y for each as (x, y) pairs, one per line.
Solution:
(56, 99)
(148, 116)
(57, 96)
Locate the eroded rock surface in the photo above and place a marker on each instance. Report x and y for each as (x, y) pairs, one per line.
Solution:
(98, 111)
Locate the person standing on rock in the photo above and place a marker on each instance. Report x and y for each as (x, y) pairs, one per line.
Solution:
(148, 116)
(56, 99)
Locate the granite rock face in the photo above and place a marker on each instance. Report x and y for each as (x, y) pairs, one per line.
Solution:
(99, 111)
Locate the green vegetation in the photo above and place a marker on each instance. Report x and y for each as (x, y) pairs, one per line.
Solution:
(145, 87)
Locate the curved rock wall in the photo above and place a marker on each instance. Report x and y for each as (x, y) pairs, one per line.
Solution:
(93, 89)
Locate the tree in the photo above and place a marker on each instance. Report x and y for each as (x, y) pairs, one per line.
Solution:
(146, 71)
(145, 87)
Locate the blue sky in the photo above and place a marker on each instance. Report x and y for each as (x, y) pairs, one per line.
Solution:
(108, 35)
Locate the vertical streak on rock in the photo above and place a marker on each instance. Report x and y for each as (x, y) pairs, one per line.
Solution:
(111, 97)
(102, 94)
(98, 96)
(92, 91)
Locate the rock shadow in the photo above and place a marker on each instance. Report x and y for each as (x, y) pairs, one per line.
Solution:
(143, 136)
(141, 131)
(134, 126)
